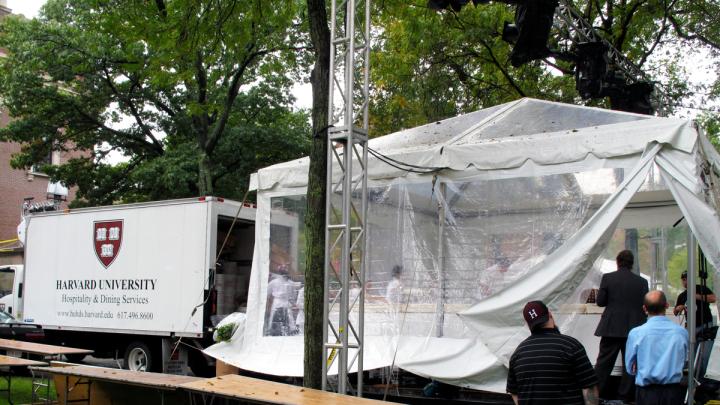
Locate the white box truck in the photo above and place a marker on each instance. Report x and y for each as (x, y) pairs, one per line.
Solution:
(129, 281)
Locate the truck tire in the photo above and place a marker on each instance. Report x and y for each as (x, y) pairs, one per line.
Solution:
(75, 358)
(138, 357)
(199, 365)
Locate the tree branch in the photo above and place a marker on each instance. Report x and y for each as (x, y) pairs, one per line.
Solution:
(232, 93)
(161, 7)
(600, 14)
(159, 104)
(494, 60)
(656, 42)
(200, 121)
(123, 135)
(610, 19)
(133, 110)
(502, 70)
(558, 67)
(684, 35)
(229, 168)
(625, 24)
(65, 45)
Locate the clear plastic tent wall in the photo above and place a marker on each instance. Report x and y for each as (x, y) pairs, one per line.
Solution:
(528, 200)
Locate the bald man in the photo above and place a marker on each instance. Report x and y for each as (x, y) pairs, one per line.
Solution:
(655, 355)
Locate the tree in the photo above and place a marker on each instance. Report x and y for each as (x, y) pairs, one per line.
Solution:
(711, 123)
(430, 65)
(194, 94)
(316, 192)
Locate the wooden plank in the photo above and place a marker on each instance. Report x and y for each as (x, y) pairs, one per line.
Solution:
(267, 392)
(104, 392)
(9, 361)
(38, 348)
(138, 378)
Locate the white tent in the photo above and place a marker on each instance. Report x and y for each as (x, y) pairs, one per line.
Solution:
(525, 198)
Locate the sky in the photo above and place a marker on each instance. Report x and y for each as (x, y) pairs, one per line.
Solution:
(29, 8)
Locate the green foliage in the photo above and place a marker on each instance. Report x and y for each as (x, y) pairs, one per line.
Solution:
(21, 390)
(677, 263)
(225, 332)
(195, 95)
(710, 123)
(430, 65)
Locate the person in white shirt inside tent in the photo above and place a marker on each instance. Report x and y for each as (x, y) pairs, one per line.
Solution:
(394, 291)
(280, 292)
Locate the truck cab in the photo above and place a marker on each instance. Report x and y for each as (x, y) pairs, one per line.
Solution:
(11, 285)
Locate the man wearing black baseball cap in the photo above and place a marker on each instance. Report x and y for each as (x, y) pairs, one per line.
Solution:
(549, 367)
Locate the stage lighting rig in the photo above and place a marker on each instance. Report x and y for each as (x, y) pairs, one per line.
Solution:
(636, 97)
(528, 33)
(591, 68)
(533, 21)
(597, 77)
(600, 69)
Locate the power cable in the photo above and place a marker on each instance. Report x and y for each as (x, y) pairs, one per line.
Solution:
(403, 163)
(212, 270)
(222, 247)
(407, 167)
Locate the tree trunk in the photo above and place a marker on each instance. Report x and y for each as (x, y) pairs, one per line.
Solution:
(205, 185)
(316, 191)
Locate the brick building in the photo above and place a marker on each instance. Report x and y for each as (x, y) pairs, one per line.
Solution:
(16, 185)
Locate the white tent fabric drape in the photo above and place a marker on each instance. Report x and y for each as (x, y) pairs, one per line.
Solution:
(524, 148)
(556, 277)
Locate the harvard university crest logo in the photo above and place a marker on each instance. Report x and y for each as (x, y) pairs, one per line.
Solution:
(107, 237)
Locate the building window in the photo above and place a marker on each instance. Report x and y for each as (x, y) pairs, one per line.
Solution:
(52, 158)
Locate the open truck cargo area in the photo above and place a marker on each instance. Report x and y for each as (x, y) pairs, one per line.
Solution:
(130, 280)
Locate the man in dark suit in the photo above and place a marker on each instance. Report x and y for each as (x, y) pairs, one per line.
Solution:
(621, 293)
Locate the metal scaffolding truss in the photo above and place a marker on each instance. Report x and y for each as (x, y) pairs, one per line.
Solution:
(346, 211)
(574, 28)
(585, 32)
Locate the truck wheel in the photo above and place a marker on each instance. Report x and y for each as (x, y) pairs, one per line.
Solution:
(75, 358)
(138, 357)
(198, 364)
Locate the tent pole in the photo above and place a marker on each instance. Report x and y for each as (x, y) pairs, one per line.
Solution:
(691, 311)
(631, 244)
(440, 310)
(663, 259)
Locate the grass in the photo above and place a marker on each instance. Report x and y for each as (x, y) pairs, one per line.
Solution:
(21, 392)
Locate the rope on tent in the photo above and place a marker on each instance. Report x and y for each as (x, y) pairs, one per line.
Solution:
(222, 247)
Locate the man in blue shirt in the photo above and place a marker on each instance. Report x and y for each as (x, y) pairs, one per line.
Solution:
(655, 355)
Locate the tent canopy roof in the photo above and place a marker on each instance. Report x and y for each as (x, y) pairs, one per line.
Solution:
(504, 137)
